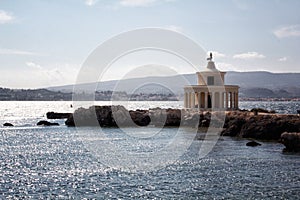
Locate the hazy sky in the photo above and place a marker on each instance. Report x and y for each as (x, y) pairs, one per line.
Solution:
(44, 42)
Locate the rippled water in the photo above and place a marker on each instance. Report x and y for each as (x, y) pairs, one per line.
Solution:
(283, 107)
(53, 162)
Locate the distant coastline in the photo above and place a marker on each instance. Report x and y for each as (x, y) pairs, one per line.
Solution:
(7, 94)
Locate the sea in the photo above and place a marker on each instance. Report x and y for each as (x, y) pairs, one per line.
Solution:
(61, 162)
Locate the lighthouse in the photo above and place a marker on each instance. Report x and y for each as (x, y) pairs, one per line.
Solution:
(210, 93)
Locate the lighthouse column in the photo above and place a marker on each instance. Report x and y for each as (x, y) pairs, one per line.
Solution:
(226, 100)
(199, 100)
(185, 99)
(231, 99)
(205, 100)
(236, 101)
(221, 100)
(193, 100)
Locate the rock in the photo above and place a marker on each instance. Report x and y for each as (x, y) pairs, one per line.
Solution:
(261, 110)
(70, 121)
(291, 141)
(253, 144)
(158, 117)
(192, 120)
(54, 115)
(46, 123)
(140, 117)
(298, 111)
(165, 117)
(8, 124)
(173, 117)
(233, 124)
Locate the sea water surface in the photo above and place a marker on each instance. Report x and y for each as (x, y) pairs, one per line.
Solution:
(54, 163)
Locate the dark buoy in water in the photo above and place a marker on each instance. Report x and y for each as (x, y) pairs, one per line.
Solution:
(253, 144)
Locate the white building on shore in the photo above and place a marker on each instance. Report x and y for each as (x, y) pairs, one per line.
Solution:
(211, 93)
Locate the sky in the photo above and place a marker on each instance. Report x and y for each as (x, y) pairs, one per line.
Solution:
(44, 43)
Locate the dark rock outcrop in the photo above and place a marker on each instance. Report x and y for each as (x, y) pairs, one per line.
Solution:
(253, 144)
(233, 123)
(114, 116)
(140, 117)
(165, 117)
(261, 110)
(108, 116)
(7, 124)
(46, 123)
(70, 121)
(291, 141)
(54, 115)
(263, 127)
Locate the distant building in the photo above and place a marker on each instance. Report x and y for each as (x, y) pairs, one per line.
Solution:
(211, 93)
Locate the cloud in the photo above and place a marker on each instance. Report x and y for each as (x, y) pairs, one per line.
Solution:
(34, 65)
(288, 31)
(283, 59)
(18, 52)
(50, 74)
(216, 54)
(226, 67)
(5, 17)
(249, 55)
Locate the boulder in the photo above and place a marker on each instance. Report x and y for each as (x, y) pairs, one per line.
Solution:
(46, 123)
(291, 141)
(165, 117)
(54, 115)
(192, 120)
(253, 144)
(233, 125)
(70, 121)
(140, 117)
(7, 124)
(173, 117)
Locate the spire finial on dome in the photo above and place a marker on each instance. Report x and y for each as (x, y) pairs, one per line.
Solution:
(210, 57)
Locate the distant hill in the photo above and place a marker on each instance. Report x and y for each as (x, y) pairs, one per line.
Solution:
(252, 84)
(273, 81)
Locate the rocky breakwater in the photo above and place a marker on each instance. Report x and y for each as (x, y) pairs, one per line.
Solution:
(114, 116)
(262, 126)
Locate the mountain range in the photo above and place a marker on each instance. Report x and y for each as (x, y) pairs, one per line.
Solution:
(258, 84)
